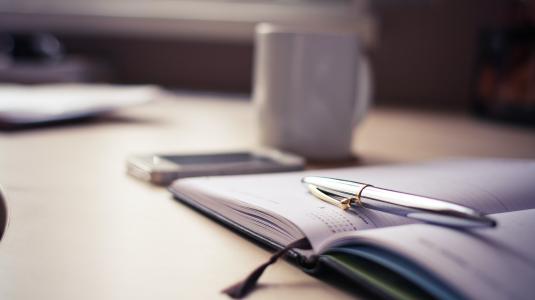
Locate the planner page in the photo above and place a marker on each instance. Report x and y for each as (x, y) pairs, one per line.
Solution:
(491, 186)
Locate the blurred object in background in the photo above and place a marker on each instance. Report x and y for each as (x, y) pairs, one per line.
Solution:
(186, 44)
(37, 47)
(22, 105)
(40, 58)
(423, 52)
(505, 77)
(6, 46)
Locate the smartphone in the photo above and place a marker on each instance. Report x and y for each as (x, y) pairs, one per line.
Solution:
(163, 169)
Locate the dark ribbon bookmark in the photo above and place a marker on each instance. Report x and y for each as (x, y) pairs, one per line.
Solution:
(244, 287)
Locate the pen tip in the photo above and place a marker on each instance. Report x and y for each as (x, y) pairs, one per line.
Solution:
(488, 221)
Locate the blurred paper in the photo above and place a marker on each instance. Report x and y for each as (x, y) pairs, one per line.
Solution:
(28, 104)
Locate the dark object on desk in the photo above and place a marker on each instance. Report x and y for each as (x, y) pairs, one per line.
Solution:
(68, 70)
(35, 47)
(3, 214)
(41, 58)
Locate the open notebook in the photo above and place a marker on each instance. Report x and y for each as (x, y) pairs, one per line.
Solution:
(392, 255)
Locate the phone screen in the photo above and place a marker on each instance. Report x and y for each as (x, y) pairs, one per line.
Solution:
(210, 159)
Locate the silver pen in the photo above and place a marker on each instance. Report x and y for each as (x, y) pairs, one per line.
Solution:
(345, 194)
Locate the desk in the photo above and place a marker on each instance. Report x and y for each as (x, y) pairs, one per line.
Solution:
(81, 229)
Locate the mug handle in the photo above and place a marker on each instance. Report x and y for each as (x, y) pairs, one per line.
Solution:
(363, 92)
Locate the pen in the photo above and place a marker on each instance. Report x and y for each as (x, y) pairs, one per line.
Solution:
(346, 194)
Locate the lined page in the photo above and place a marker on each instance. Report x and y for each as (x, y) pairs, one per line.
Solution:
(491, 186)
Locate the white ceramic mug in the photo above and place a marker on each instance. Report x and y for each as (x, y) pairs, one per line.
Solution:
(311, 87)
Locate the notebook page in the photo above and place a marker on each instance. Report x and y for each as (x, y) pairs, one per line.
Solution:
(278, 195)
(496, 263)
(491, 186)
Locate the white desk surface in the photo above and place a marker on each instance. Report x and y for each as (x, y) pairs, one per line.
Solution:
(79, 228)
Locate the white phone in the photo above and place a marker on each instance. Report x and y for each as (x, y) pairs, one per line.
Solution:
(163, 169)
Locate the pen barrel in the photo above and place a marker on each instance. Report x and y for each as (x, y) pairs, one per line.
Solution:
(338, 187)
(423, 208)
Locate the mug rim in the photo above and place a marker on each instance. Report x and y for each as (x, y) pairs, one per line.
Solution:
(267, 28)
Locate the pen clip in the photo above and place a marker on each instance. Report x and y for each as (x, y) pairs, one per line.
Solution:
(344, 202)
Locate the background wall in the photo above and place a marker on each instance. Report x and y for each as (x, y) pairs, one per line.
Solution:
(424, 56)
(427, 49)
(195, 64)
